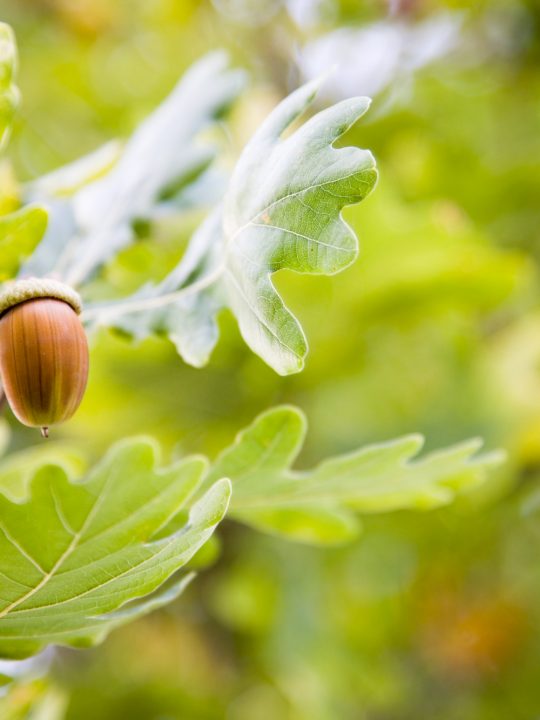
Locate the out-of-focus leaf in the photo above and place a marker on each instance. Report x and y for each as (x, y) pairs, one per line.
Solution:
(18, 672)
(282, 210)
(72, 177)
(381, 56)
(32, 697)
(320, 505)
(160, 156)
(10, 199)
(73, 554)
(20, 233)
(9, 93)
(18, 468)
(4, 434)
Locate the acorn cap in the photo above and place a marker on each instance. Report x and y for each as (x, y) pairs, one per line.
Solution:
(19, 291)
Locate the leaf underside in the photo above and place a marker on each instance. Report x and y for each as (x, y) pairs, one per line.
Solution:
(282, 210)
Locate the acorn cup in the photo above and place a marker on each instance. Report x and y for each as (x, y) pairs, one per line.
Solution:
(43, 351)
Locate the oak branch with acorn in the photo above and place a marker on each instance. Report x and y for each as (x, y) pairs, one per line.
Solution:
(79, 558)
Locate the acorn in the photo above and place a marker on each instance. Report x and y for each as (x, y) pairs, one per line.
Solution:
(43, 351)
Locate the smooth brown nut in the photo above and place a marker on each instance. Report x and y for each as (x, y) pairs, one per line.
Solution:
(43, 360)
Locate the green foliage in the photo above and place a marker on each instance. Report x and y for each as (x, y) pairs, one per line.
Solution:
(422, 335)
(9, 93)
(22, 231)
(20, 234)
(320, 505)
(74, 553)
(282, 210)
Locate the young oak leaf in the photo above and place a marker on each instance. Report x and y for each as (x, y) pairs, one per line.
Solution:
(282, 210)
(321, 505)
(75, 556)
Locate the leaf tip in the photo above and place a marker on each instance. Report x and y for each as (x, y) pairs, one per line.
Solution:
(213, 505)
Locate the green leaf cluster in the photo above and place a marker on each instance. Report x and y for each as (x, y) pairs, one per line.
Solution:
(79, 558)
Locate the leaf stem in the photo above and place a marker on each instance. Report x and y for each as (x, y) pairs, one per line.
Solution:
(134, 304)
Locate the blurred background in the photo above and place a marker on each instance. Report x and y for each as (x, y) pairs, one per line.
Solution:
(436, 329)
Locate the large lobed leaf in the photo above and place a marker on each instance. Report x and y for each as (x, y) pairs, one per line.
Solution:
(322, 505)
(282, 210)
(73, 554)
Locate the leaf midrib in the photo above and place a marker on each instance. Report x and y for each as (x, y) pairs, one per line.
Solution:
(64, 556)
(137, 567)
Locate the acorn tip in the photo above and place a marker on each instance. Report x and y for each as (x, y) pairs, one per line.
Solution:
(44, 432)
